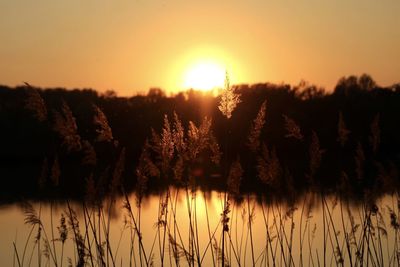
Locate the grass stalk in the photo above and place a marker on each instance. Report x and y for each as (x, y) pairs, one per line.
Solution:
(250, 222)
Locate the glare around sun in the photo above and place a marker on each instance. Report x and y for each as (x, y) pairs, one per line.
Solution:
(204, 76)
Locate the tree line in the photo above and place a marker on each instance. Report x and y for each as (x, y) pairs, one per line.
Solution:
(56, 141)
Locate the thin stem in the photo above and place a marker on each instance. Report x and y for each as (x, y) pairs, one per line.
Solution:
(250, 229)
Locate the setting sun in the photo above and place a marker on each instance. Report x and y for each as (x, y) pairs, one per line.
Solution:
(204, 75)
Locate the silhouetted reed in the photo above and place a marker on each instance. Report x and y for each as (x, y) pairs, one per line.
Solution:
(35, 104)
(178, 154)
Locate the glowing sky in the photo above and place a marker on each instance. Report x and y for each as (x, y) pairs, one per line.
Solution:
(132, 45)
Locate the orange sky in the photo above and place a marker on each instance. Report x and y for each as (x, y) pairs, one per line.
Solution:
(132, 45)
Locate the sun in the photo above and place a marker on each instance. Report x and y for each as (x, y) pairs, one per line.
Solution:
(205, 76)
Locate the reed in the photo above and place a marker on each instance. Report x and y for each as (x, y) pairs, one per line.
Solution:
(227, 236)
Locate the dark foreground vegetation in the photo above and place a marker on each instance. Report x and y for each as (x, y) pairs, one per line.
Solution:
(275, 155)
(279, 138)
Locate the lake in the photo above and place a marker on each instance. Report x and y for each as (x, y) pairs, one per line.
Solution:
(183, 227)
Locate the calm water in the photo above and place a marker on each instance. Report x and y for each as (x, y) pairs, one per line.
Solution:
(310, 232)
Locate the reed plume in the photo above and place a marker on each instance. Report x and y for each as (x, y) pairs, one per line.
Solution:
(292, 129)
(177, 148)
(229, 99)
(65, 126)
(145, 169)
(166, 145)
(179, 136)
(215, 149)
(225, 217)
(78, 238)
(31, 216)
(103, 129)
(63, 235)
(179, 252)
(198, 138)
(221, 258)
(35, 104)
(253, 141)
(62, 229)
(89, 154)
(268, 166)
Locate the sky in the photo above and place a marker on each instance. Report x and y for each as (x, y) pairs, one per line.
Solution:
(130, 46)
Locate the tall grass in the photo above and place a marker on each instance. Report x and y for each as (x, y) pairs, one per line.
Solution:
(191, 232)
(259, 232)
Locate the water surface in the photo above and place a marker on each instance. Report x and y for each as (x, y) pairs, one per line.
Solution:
(182, 227)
